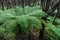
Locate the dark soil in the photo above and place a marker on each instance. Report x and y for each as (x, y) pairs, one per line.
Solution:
(1, 38)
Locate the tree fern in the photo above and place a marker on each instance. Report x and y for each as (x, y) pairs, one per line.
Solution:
(13, 17)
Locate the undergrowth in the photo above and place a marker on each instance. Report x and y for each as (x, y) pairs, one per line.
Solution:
(9, 19)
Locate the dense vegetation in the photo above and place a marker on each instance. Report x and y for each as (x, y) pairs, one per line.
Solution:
(29, 21)
(23, 21)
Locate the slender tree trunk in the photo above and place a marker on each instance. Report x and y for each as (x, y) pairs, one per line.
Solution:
(2, 5)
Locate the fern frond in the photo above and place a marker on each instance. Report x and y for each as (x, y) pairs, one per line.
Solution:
(5, 16)
(24, 21)
(10, 36)
(11, 26)
(18, 11)
(35, 21)
(53, 31)
(37, 13)
(57, 21)
(2, 31)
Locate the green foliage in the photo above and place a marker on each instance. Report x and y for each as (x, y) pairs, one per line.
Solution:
(10, 19)
(25, 22)
(9, 36)
(35, 21)
(13, 17)
(11, 25)
(53, 31)
(2, 30)
(37, 13)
